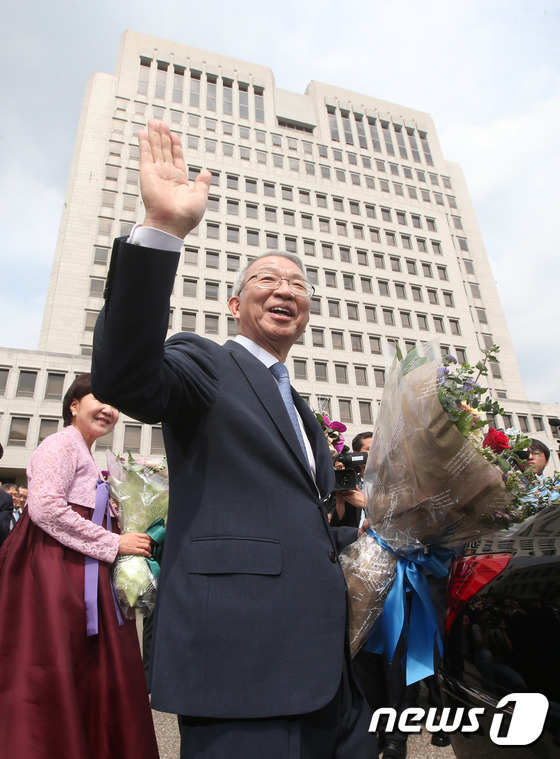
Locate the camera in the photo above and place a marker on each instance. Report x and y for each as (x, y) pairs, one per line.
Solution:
(347, 478)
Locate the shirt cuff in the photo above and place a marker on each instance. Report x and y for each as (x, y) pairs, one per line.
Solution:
(148, 237)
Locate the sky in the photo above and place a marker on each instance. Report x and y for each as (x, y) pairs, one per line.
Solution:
(487, 71)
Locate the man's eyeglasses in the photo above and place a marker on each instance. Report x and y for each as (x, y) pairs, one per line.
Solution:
(269, 281)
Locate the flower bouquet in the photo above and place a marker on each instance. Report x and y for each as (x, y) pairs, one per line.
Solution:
(332, 431)
(428, 489)
(141, 489)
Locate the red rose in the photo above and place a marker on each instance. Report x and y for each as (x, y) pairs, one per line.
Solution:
(496, 440)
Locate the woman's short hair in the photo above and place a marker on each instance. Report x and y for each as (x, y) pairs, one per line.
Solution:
(80, 387)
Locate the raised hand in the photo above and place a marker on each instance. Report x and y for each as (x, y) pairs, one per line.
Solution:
(171, 204)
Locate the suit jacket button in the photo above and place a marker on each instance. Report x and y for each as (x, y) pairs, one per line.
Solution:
(332, 556)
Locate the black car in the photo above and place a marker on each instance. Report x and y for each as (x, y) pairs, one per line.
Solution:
(503, 640)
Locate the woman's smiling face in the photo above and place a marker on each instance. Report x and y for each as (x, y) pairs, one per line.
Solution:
(93, 418)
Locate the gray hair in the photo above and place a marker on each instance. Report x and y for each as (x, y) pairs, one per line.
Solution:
(241, 274)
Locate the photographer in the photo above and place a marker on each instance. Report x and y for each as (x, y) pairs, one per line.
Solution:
(348, 510)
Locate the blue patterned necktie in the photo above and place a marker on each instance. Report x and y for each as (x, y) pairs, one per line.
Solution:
(281, 373)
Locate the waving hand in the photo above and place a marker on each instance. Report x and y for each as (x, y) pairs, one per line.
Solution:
(172, 205)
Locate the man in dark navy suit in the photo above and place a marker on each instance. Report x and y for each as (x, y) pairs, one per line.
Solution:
(249, 646)
(6, 505)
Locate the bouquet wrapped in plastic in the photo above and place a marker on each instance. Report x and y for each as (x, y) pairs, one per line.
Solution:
(141, 489)
(428, 489)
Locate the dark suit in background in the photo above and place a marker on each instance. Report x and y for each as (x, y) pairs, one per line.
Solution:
(6, 512)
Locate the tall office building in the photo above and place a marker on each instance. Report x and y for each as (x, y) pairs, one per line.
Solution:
(356, 186)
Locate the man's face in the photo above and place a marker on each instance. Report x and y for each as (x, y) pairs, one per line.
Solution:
(22, 494)
(366, 445)
(274, 319)
(13, 492)
(536, 461)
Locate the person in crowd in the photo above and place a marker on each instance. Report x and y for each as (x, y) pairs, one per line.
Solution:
(539, 455)
(249, 643)
(349, 504)
(7, 493)
(70, 666)
(20, 501)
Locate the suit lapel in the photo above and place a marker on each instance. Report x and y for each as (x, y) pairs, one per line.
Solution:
(265, 387)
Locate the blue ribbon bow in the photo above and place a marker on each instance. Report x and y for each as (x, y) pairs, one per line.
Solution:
(420, 627)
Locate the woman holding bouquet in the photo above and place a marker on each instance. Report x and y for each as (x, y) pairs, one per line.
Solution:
(71, 677)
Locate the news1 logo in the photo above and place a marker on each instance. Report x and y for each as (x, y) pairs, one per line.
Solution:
(527, 719)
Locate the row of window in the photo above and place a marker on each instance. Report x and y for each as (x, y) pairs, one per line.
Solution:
(214, 230)
(180, 84)
(210, 146)
(20, 428)
(134, 435)
(27, 382)
(305, 148)
(232, 206)
(378, 135)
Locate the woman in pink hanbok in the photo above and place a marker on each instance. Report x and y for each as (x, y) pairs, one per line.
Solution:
(71, 678)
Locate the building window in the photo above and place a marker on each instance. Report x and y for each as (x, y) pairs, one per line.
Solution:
(454, 327)
(212, 290)
(315, 306)
(188, 321)
(366, 284)
(361, 376)
(448, 299)
(406, 321)
(321, 371)
(388, 317)
(26, 384)
(341, 374)
(334, 309)
(352, 310)
(345, 407)
(481, 313)
(371, 314)
(383, 286)
(318, 337)
(252, 237)
(357, 343)
(55, 385)
(375, 344)
(411, 266)
(189, 288)
(132, 437)
(366, 417)
(3, 380)
(47, 427)
(19, 427)
(379, 376)
(337, 340)
(523, 423)
(96, 287)
(422, 322)
(211, 324)
(438, 324)
(300, 368)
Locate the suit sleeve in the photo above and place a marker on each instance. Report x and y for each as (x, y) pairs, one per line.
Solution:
(132, 368)
(6, 511)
